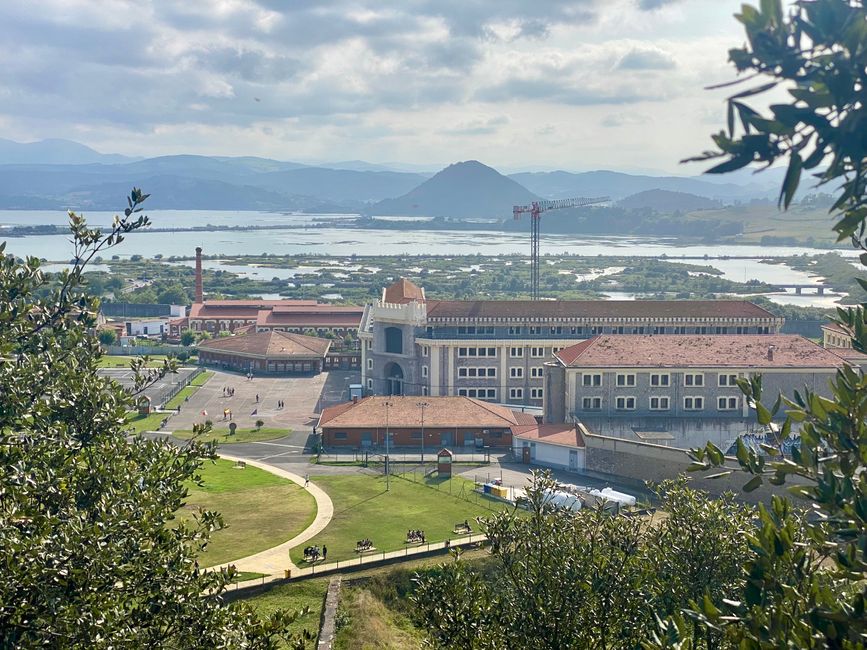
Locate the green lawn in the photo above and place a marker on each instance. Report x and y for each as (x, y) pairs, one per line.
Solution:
(188, 391)
(363, 508)
(293, 597)
(114, 361)
(261, 510)
(243, 576)
(145, 422)
(241, 435)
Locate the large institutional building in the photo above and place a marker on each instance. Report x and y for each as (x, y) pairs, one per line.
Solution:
(496, 350)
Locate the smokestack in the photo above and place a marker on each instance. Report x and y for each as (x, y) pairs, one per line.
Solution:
(770, 353)
(199, 294)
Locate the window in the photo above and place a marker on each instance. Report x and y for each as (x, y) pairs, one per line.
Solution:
(591, 403)
(740, 330)
(370, 384)
(727, 403)
(516, 373)
(727, 380)
(658, 330)
(617, 330)
(638, 330)
(340, 435)
(660, 379)
(424, 371)
(591, 380)
(660, 403)
(516, 352)
(516, 329)
(536, 393)
(701, 330)
(370, 364)
(722, 330)
(477, 352)
(536, 372)
(424, 390)
(625, 404)
(558, 329)
(693, 379)
(425, 351)
(474, 371)
(487, 329)
(577, 330)
(625, 379)
(535, 329)
(466, 330)
(596, 329)
(693, 403)
(537, 352)
(480, 393)
(516, 393)
(680, 330)
(393, 340)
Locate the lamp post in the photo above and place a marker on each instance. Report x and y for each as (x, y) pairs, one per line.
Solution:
(422, 406)
(387, 403)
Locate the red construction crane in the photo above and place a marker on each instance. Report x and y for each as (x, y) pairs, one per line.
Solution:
(536, 208)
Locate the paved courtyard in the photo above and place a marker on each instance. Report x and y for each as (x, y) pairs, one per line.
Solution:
(158, 392)
(303, 398)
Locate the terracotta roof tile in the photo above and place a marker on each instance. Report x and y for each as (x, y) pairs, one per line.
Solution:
(403, 291)
(451, 309)
(557, 434)
(270, 344)
(459, 412)
(685, 351)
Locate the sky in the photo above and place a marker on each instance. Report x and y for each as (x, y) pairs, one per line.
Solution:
(517, 84)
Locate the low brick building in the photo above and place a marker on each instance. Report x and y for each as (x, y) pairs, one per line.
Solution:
(269, 352)
(448, 422)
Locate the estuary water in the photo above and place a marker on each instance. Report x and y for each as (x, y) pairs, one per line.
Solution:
(342, 242)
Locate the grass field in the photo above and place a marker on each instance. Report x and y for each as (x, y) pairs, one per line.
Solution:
(261, 510)
(241, 435)
(293, 597)
(190, 390)
(112, 361)
(363, 508)
(145, 422)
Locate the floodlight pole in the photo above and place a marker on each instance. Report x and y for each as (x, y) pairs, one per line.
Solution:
(422, 406)
(387, 457)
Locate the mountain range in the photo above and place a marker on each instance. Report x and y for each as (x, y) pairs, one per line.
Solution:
(60, 174)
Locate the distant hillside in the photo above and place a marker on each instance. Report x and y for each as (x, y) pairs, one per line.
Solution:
(617, 185)
(668, 202)
(463, 190)
(64, 152)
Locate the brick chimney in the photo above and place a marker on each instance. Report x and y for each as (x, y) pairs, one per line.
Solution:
(770, 353)
(199, 294)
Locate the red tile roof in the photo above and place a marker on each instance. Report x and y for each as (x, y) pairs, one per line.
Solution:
(686, 351)
(452, 309)
(270, 344)
(555, 434)
(298, 313)
(451, 412)
(309, 318)
(403, 291)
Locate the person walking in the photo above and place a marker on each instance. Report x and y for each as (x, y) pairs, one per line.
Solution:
(257, 398)
(306, 480)
(324, 552)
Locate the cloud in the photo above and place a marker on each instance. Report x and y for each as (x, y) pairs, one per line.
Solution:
(480, 126)
(614, 120)
(646, 58)
(651, 5)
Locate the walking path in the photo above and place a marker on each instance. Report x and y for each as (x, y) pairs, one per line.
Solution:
(329, 616)
(273, 561)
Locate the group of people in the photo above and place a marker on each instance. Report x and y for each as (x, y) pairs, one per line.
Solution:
(363, 545)
(313, 553)
(280, 403)
(463, 526)
(228, 391)
(415, 536)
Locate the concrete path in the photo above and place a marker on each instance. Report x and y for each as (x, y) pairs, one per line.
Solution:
(329, 616)
(275, 560)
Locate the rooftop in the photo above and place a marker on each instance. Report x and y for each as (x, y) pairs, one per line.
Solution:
(685, 351)
(555, 434)
(452, 309)
(451, 412)
(269, 344)
(287, 309)
(402, 291)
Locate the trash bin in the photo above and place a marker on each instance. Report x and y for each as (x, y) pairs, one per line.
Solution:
(287, 573)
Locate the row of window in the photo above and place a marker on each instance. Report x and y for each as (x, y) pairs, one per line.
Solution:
(473, 371)
(518, 393)
(491, 393)
(517, 330)
(661, 403)
(695, 379)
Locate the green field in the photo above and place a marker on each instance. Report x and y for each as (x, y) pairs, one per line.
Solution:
(241, 435)
(142, 423)
(363, 508)
(260, 509)
(189, 390)
(113, 361)
(293, 597)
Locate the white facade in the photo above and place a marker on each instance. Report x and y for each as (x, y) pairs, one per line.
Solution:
(548, 454)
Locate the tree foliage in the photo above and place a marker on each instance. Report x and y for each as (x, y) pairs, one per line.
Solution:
(807, 580)
(92, 554)
(586, 579)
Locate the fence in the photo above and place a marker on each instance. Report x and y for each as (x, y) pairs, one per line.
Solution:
(141, 350)
(177, 388)
(376, 455)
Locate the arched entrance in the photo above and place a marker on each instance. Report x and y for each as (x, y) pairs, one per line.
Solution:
(393, 379)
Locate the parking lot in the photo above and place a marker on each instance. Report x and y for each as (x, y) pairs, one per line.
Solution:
(157, 392)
